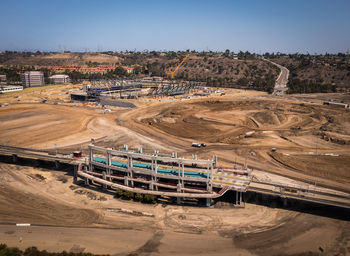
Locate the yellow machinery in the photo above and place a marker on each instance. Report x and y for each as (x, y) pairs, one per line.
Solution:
(172, 72)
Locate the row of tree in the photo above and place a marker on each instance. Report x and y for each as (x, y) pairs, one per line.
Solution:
(309, 86)
(13, 73)
(128, 195)
(33, 251)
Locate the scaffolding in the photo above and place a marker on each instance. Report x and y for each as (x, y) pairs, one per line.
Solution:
(162, 174)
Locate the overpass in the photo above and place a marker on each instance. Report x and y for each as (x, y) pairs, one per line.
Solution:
(172, 176)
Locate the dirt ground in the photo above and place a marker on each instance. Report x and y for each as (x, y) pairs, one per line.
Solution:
(312, 141)
(74, 218)
(312, 144)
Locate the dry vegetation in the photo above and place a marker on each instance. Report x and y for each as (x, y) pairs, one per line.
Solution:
(57, 59)
(320, 69)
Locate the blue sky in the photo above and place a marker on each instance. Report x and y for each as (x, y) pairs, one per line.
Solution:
(314, 26)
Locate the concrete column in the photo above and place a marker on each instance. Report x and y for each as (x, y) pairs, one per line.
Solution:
(57, 164)
(236, 198)
(207, 202)
(155, 175)
(109, 163)
(183, 173)
(211, 179)
(75, 177)
(208, 172)
(178, 199)
(155, 164)
(105, 178)
(126, 181)
(91, 155)
(131, 174)
(87, 182)
(14, 158)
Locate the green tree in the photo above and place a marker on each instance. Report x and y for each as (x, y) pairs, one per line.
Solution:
(227, 53)
(149, 199)
(120, 71)
(138, 197)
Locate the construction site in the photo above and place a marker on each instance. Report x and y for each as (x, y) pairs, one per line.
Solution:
(158, 163)
(131, 89)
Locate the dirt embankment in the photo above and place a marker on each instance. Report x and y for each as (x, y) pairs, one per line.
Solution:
(249, 129)
(327, 166)
(50, 126)
(21, 203)
(215, 121)
(79, 222)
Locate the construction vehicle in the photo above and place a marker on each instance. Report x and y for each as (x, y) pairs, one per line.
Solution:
(198, 145)
(172, 72)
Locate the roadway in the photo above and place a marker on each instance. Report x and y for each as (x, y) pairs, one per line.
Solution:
(282, 80)
(318, 195)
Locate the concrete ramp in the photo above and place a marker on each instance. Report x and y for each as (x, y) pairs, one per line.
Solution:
(117, 103)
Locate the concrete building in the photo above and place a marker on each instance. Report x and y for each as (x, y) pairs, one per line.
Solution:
(32, 78)
(60, 79)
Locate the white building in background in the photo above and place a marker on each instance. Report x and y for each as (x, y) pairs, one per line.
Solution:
(60, 79)
(32, 78)
(10, 88)
(2, 78)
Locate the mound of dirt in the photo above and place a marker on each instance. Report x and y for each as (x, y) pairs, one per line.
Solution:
(226, 121)
(318, 165)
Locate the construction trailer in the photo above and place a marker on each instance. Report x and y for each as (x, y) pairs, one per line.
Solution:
(336, 104)
(163, 175)
(10, 88)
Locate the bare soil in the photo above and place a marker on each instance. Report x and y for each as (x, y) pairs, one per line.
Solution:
(76, 222)
(242, 126)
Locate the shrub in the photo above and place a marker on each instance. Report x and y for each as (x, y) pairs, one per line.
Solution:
(128, 194)
(119, 193)
(138, 197)
(149, 199)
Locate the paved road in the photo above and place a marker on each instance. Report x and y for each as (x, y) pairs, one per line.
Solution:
(282, 80)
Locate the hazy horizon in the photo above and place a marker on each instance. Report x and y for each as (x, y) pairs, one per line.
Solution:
(255, 26)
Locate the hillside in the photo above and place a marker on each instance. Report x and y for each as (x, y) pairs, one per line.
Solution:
(214, 69)
(56, 59)
(244, 70)
(316, 73)
(308, 73)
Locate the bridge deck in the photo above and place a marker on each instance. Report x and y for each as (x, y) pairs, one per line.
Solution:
(221, 179)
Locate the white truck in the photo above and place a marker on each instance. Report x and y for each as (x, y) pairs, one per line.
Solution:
(198, 145)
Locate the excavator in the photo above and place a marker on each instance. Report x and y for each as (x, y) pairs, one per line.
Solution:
(172, 72)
